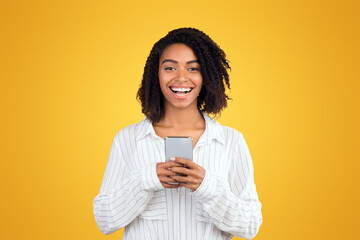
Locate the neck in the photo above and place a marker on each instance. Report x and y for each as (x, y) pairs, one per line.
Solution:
(181, 118)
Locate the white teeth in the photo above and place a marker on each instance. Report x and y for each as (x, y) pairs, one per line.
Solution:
(180, 89)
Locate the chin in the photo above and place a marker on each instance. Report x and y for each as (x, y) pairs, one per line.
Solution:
(184, 106)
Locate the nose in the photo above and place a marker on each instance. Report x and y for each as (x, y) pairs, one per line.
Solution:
(182, 75)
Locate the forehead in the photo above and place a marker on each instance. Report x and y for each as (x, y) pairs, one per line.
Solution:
(179, 52)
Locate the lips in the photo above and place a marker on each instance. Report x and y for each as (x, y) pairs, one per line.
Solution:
(181, 91)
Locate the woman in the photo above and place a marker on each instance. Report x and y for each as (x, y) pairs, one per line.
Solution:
(212, 197)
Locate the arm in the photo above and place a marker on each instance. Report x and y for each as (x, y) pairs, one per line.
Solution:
(233, 206)
(124, 194)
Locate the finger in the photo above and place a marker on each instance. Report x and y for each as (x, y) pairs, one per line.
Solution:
(195, 173)
(181, 170)
(187, 179)
(186, 162)
(179, 179)
(168, 164)
(164, 179)
(167, 172)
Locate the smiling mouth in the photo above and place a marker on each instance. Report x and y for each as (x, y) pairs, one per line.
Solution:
(181, 91)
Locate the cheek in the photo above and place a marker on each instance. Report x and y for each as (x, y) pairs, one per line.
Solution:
(163, 84)
(162, 81)
(199, 81)
(162, 87)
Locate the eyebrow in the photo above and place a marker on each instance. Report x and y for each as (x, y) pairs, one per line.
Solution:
(173, 61)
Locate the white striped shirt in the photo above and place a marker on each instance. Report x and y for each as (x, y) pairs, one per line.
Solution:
(132, 196)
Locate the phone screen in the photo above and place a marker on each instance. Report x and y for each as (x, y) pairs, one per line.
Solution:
(178, 147)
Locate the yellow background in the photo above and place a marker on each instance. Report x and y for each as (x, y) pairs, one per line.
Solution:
(69, 74)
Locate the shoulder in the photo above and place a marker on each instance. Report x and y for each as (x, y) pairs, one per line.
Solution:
(230, 132)
(129, 133)
(229, 136)
(232, 136)
(235, 143)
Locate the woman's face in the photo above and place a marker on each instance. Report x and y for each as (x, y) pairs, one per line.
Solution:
(179, 76)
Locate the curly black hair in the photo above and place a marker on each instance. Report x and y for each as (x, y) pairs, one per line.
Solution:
(213, 66)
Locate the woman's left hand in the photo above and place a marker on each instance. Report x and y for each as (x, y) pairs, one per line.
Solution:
(193, 174)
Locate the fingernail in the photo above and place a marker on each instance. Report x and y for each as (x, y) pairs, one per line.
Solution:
(172, 159)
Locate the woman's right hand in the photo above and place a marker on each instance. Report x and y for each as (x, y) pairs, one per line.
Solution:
(163, 172)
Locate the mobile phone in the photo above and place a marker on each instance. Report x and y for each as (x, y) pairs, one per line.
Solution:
(178, 147)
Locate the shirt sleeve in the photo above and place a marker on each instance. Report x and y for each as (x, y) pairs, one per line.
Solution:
(233, 205)
(123, 194)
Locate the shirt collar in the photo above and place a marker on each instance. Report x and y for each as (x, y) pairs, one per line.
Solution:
(213, 130)
(144, 128)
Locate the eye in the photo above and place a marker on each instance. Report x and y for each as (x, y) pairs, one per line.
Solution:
(169, 68)
(193, 69)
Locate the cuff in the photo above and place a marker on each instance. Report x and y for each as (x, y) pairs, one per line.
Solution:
(150, 179)
(206, 190)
